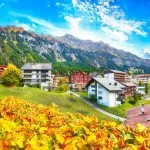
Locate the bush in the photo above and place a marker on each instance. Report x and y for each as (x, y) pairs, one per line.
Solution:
(131, 101)
(28, 126)
(63, 88)
(146, 88)
(92, 98)
(134, 99)
(35, 85)
(11, 76)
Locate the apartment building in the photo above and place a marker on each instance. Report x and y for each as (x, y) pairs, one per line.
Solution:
(145, 78)
(115, 75)
(78, 80)
(37, 73)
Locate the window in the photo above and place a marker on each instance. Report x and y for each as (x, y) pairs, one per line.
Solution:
(99, 86)
(27, 71)
(100, 92)
(92, 86)
(34, 80)
(100, 98)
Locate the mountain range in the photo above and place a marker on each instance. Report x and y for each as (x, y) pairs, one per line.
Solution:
(19, 46)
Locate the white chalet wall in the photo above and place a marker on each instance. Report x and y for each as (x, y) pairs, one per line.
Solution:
(91, 89)
(108, 98)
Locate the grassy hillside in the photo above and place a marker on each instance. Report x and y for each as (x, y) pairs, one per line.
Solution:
(66, 103)
(17, 53)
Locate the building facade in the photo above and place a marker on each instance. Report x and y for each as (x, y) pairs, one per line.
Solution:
(129, 89)
(107, 91)
(119, 76)
(37, 74)
(2, 68)
(140, 90)
(145, 78)
(78, 80)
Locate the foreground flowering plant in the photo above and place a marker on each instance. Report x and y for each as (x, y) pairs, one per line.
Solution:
(37, 127)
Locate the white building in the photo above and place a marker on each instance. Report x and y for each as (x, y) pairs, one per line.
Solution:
(107, 91)
(37, 74)
(140, 90)
(144, 78)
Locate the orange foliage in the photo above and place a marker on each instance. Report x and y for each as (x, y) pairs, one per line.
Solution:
(37, 127)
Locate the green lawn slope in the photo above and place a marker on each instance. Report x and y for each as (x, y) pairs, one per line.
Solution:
(66, 103)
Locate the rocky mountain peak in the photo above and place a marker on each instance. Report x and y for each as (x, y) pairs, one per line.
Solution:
(25, 46)
(12, 29)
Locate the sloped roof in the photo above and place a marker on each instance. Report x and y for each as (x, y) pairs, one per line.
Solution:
(109, 84)
(116, 71)
(128, 84)
(79, 72)
(37, 66)
(142, 75)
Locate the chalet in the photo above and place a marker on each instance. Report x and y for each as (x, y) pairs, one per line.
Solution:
(145, 78)
(37, 74)
(115, 75)
(107, 91)
(2, 68)
(129, 89)
(78, 80)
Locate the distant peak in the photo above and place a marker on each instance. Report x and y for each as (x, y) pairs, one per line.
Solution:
(69, 36)
(12, 29)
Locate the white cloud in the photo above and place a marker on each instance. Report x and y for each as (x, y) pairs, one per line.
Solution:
(110, 15)
(74, 2)
(115, 34)
(27, 27)
(74, 23)
(147, 50)
(126, 26)
(44, 26)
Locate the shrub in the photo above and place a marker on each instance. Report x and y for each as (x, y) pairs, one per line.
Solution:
(63, 88)
(34, 85)
(146, 88)
(92, 98)
(131, 101)
(62, 85)
(11, 76)
(28, 126)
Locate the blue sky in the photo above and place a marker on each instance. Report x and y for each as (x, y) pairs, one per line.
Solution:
(123, 24)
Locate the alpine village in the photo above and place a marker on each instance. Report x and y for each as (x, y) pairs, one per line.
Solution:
(54, 94)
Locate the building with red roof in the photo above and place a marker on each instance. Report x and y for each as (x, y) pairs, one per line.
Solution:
(2, 68)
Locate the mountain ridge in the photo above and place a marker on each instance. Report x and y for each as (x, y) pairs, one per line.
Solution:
(30, 47)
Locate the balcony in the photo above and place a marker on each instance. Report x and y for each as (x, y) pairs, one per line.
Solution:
(36, 74)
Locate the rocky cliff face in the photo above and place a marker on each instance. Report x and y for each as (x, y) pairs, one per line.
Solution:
(20, 46)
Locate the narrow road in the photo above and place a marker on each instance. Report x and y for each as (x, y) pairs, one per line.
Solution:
(99, 109)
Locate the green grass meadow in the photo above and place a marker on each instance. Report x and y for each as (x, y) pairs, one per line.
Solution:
(66, 103)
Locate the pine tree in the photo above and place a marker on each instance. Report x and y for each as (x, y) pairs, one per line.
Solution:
(146, 88)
